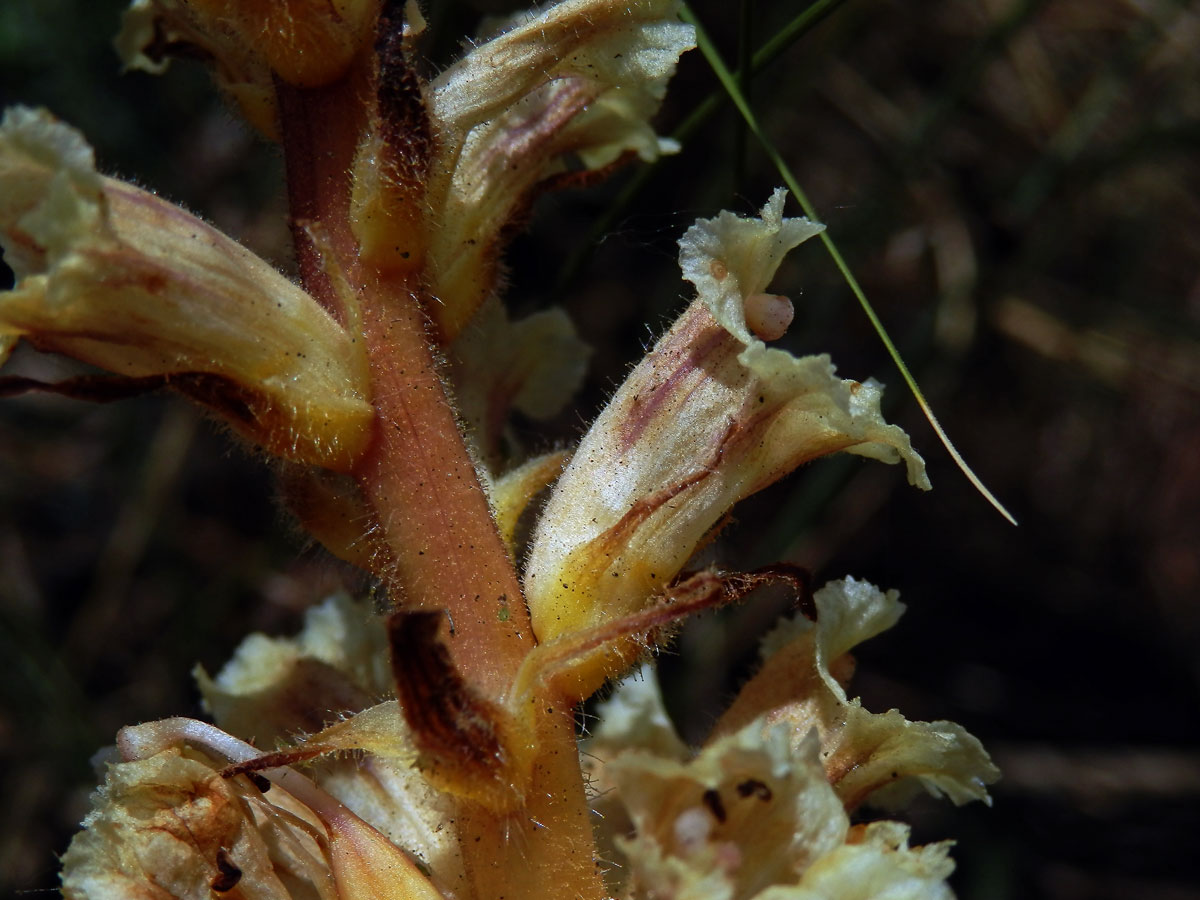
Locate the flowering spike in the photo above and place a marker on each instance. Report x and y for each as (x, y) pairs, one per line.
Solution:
(438, 726)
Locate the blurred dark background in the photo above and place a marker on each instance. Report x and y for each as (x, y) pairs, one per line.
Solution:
(1016, 184)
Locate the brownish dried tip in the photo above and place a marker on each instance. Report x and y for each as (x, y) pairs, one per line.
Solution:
(464, 740)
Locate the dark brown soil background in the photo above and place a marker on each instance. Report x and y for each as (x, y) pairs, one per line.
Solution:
(1015, 182)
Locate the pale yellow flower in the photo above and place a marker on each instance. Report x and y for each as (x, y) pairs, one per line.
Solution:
(119, 278)
(711, 415)
(761, 810)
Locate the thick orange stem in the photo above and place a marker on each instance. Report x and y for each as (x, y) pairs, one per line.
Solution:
(434, 515)
(422, 487)
(417, 475)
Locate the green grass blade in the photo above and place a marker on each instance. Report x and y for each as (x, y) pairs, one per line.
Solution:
(729, 82)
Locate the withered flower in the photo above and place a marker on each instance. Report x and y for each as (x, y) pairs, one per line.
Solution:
(437, 736)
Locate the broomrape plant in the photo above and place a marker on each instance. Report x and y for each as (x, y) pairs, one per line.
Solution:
(429, 750)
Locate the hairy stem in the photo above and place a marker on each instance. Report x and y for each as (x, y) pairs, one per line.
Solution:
(417, 475)
(419, 479)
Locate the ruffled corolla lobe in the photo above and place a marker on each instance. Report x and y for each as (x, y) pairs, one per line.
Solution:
(880, 758)
(762, 810)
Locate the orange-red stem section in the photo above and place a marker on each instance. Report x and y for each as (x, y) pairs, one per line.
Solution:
(417, 475)
(421, 484)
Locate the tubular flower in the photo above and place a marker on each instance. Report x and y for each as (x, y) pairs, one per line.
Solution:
(573, 84)
(438, 733)
(710, 416)
(168, 823)
(880, 757)
(118, 278)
